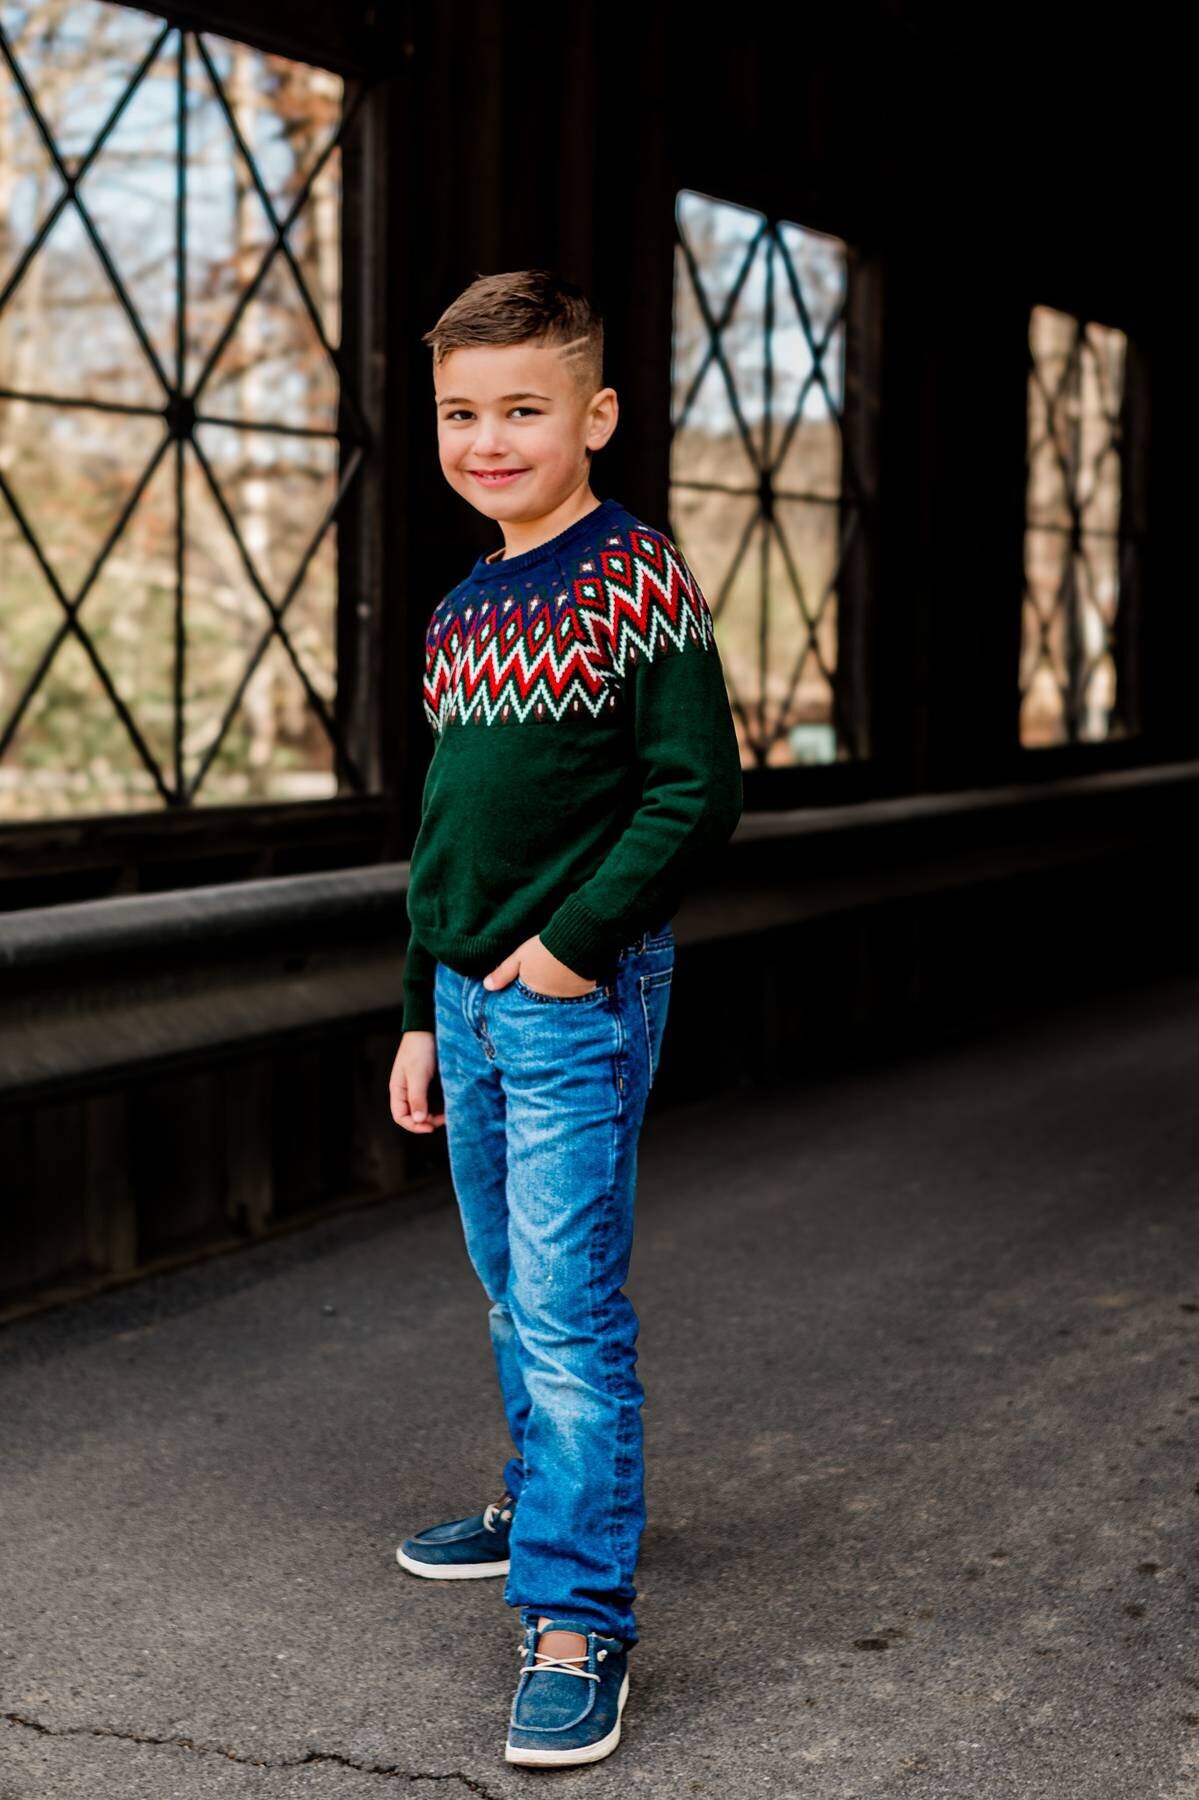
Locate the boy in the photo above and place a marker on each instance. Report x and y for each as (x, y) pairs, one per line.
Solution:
(586, 762)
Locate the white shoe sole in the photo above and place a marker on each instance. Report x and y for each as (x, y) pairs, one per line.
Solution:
(452, 1571)
(548, 1759)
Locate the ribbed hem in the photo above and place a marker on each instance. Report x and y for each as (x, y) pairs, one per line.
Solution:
(465, 954)
(470, 955)
(578, 937)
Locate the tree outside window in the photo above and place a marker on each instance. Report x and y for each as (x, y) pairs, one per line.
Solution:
(772, 472)
(1084, 532)
(177, 431)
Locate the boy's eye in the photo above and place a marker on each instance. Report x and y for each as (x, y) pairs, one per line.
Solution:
(462, 411)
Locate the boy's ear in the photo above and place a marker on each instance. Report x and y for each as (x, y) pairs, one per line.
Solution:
(608, 394)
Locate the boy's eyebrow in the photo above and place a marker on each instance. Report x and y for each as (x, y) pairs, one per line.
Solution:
(464, 399)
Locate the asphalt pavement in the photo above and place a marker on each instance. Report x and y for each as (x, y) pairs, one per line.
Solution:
(921, 1353)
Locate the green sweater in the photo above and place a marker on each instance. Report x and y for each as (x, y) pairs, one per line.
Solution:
(586, 761)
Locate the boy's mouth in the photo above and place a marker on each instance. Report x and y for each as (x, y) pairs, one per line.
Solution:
(496, 477)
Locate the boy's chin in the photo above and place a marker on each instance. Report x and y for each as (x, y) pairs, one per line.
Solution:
(488, 499)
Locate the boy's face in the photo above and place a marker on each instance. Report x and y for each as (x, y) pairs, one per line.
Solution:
(516, 410)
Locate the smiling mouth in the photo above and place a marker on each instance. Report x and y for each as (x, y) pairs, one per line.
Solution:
(496, 477)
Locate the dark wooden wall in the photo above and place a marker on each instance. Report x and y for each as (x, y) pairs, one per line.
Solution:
(980, 163)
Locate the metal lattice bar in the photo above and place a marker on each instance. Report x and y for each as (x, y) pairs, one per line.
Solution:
(276, 612)
(851, 502)
(70, 182)
(182, 415)
(280, 242)
(1076, 485)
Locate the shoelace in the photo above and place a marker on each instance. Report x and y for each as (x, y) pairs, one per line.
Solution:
(562, 1664)
(496, 1507)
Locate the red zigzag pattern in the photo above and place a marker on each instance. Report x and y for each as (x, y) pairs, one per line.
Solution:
(506, 660)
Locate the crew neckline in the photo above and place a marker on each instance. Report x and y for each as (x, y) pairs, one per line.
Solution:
(596, 519)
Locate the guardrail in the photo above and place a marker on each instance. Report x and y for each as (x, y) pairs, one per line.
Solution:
(93, 990)
(185, 1073)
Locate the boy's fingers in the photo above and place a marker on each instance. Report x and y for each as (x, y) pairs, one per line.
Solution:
(411, 1123)
(503, 972)
(410, 1105)
(403, 1098)
(414, 1093)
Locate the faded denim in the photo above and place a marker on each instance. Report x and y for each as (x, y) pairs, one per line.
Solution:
(544, 1101)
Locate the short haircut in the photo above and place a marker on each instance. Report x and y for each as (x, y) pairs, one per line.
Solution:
(526, 306)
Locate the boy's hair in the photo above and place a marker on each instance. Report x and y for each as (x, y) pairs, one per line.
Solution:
(526, 306)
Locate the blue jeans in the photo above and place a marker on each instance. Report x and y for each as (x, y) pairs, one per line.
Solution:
(544, 1100)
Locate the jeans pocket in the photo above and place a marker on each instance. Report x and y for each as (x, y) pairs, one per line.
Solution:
(654, 989)
(591, 995)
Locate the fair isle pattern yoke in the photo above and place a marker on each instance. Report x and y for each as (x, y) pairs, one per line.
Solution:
(504, 659)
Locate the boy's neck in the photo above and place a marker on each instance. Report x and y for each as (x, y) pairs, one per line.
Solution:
(541, 530)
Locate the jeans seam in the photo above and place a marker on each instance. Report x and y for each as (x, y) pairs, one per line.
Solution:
(604, 1233)
(654, 978)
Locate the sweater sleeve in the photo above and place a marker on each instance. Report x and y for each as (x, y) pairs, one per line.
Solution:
(419, 1010)
(689, 762)
(419, 963)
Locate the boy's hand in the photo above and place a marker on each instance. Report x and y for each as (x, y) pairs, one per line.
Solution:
(540, 970)
(412, 1075)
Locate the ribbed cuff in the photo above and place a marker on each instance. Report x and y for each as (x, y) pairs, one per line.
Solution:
(583, 941)
(420, 970)
(420, 1014)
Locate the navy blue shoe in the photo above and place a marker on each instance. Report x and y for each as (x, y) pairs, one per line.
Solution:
(463, 1548)
(567, 1709)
